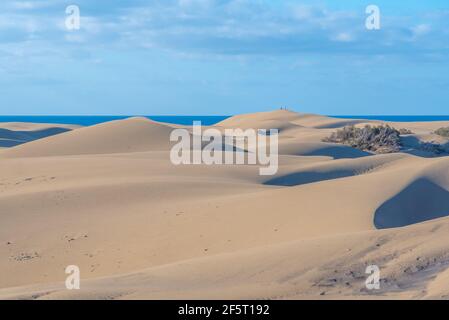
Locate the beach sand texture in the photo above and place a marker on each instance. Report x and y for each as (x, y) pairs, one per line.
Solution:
(107, 199)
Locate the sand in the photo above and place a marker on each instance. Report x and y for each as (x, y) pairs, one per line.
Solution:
(107, 199)
(15, 133)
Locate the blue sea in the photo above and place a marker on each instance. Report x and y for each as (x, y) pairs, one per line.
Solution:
(187, 120)
(92, 120)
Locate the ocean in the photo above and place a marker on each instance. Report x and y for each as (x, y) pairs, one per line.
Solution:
(187, 120)
(92, 120)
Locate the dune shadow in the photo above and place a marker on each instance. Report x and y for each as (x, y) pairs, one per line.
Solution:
(333, 150)
(5, 143)
(11, 138)
(414, 146)
(421, 201)
(299, 178)
(339, 152)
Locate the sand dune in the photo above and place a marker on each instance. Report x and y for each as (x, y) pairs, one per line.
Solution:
(323, 122)
(330, 170)
(107, 198)
(257, 120)
(131, 135)
(287, 119)
(324, 268)
(425, 198)
(28, 127)
(13, 134)
(320, 149)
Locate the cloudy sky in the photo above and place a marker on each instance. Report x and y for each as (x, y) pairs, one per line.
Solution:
(222, 57)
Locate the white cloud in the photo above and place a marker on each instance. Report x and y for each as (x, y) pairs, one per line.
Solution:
(74, 37)
(216, 27)
(421, 30)
(29, 5)
(343, 37)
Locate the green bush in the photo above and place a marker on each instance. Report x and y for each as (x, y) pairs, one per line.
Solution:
(381, 139)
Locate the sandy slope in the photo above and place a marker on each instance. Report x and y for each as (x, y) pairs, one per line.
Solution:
(107, 198)
(16, 133)
(130, 135)
(29, 127)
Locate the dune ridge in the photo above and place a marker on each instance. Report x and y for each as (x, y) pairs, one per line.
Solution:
(108, 199)
(130, 135)
(16, 133)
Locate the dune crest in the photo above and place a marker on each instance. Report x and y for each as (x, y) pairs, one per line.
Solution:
(15, 133)
(108, 199)
(130, 135)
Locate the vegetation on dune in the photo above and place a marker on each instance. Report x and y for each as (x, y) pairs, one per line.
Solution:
(404, 131)
(378, 139)
(444, 132)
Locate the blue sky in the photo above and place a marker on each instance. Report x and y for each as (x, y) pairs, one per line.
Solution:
(163, 57)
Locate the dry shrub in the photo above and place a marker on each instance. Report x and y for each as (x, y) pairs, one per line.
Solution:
(405, 131)
(380, 139)
(444, 132)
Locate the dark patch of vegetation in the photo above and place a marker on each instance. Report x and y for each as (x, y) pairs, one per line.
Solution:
(380, 139)
(444, 132)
